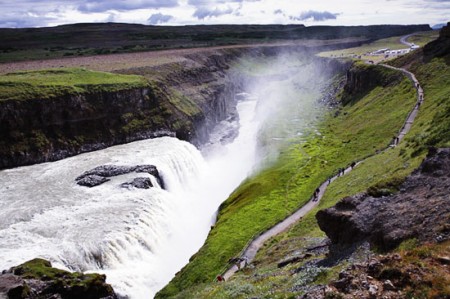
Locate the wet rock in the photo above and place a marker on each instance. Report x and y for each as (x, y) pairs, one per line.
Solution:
(421, 211)
(107, 171)
(99, 175)
(140, 183)
(92, 180)
(38, 279)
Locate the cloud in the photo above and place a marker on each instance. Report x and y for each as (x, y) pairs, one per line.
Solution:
(159, 18)
(26, 19)
(315, 16)
(278, 12)
(204, 12)
(212, 2)
(123, 5)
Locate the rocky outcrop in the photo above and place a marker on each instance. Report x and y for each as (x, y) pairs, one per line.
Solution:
(440, 47)
(420, 210)
(38, 279)
(99, 175)
(40, 130)
(362, 78)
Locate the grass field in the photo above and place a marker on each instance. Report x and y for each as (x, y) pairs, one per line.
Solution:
(56, 82)
(357, 131)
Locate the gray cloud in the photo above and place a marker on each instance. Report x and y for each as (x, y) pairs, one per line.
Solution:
(204, 12)
(159, 18)
(24, 21)
(278, 12)
(315, 16)
(31, 17)
(123, 5)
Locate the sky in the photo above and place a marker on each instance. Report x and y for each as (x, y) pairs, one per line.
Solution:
(42, 13)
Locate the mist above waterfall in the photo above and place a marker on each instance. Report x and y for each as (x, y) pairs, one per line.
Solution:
(290, 89)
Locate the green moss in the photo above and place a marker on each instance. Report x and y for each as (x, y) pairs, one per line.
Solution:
(67, 284)
(44, 84)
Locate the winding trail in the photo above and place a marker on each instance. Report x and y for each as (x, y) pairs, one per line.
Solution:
(404, 41)
(252, 248)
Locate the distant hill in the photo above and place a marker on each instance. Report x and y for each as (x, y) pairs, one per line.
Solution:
(438, 26)
(104, 38)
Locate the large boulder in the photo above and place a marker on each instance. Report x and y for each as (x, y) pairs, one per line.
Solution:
(92, 180)
(99, 175)
(38, 279)
(420, 210)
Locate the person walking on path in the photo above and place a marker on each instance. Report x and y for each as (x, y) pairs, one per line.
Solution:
(316, 194)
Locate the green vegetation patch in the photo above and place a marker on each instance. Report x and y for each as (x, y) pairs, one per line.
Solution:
(44, 84)
(351, 134)
(382, 171)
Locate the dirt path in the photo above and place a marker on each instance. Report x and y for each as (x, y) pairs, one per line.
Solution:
(252, 248)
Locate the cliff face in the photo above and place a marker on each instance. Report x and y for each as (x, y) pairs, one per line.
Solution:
(440, 47)
(362, 78)
(44, 130)
(420, 210)
(183, 99)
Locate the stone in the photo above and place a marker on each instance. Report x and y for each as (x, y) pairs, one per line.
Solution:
(443, 260)
(388, 285)
(12, 286)
(140, 183)
(92, 180)
(418, 212)
(38, 279)
(99, 175)
(107, 171)
(373, 290)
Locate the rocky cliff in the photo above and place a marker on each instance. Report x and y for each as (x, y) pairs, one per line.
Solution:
(440, 47)
(420, 210)
(179, 100)
(362, 78)
(183, 99)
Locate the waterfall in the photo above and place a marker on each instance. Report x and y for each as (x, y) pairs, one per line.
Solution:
(139, 238)
(107, 228)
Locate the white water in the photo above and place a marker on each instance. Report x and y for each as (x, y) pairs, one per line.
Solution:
(138, 238)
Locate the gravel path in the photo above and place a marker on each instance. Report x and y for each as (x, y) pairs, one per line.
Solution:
(252, 248)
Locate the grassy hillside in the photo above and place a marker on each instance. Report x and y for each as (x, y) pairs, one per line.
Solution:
(355, 131)
(344, 135)
(58, 82)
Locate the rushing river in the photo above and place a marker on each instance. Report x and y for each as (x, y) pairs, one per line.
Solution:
(138, 237)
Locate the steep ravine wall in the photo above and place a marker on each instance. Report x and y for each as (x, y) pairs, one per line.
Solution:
(183, 99)
(40, 130)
